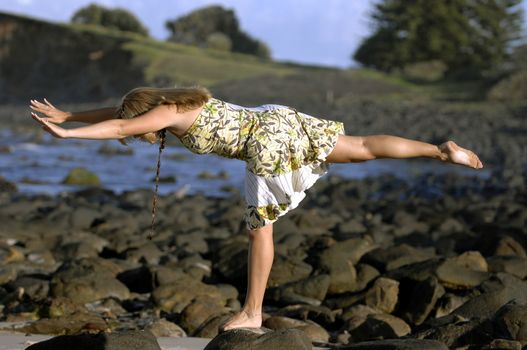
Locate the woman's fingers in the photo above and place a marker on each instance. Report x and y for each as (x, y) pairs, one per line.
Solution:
(48, 103)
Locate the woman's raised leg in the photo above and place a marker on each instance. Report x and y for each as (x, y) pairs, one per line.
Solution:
(260, 261)
(362, 148)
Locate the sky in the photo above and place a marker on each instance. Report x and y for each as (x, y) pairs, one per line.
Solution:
(305, 31)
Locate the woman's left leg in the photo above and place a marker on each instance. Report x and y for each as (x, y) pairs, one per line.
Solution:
(260, 261)
(362, 148)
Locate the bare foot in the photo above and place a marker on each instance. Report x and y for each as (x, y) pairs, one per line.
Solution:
(243, 319)
(458, 155)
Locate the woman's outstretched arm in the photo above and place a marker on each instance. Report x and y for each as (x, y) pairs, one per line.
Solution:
(363, 148)
(57, 116)
(154, 120)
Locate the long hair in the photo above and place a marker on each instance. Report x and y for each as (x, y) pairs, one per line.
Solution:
(141, 100)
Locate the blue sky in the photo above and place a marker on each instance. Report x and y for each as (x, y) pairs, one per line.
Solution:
(308, 31)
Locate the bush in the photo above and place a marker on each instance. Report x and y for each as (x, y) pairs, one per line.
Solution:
(511, 88)
(117, 18)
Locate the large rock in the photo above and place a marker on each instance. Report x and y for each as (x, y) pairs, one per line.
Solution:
(88, 280)
(71, 324)
(462, 272)
(314, 331)
(81, 176)
(417, 305)
(132, 340)
(198, 311)
(243, 339)
(338, 261)
(174, 297)
(383, 295)
(515, 265)
(511, 322)
(311, 290)
(377, 326)
(397, 344)
(287, 270)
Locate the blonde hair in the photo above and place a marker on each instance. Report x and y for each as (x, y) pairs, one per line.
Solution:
(142, 99)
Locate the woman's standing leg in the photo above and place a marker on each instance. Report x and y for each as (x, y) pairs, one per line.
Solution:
(260, 261)
(362, 148)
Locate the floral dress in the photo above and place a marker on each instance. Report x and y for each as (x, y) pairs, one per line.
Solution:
(285, 152)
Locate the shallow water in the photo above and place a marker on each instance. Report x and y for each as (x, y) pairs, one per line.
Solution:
(41, 167)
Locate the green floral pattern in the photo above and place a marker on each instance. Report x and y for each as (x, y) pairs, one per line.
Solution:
(272, 142)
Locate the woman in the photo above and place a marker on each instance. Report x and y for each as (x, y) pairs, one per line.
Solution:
(286, 152)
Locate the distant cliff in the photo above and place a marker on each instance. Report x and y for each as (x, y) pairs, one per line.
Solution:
(62, 63)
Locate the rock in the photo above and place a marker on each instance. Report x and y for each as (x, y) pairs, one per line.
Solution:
(509, 246)
(130, 340)
(455, 331)
(108, 150)
(88, 280)
(397, 344)
(83, 217)
(108, 308)
(511, 322)
(311, 290)
(164, 328)
(459, 273)
(515, 265)
(81, 176)
(71, 324)
(7, 186)
(138, 280)
(356, 314)
(76, 250)
(242, 339)
(338, 261)
(448, 303)
(147, 253)
(377, 326)
(198, 311)
(35, 287)
(287, 270)
(194, 242)
(503, 344)
(422, 299)
(503, 290)
(210, 328)
(7, 274)
(231, 261)
(320, 314)
(314, 331)
(383, 295)
(174, 297)
(365, 274)
(59, 307)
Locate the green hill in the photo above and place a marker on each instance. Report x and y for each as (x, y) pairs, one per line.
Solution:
(76, 63)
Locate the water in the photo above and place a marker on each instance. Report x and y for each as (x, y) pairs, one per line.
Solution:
(41, 167)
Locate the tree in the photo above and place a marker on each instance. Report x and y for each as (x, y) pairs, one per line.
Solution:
(197, 27)
(469, 36)
(116, 18)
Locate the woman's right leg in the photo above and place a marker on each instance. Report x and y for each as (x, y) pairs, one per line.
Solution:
(362, 148)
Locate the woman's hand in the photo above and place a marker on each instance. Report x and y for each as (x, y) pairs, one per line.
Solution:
(53, 129)
(53, 114)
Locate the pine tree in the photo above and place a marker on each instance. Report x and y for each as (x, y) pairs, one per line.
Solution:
(469, 36)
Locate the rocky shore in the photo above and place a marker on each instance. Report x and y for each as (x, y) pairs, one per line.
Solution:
(439, 264)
